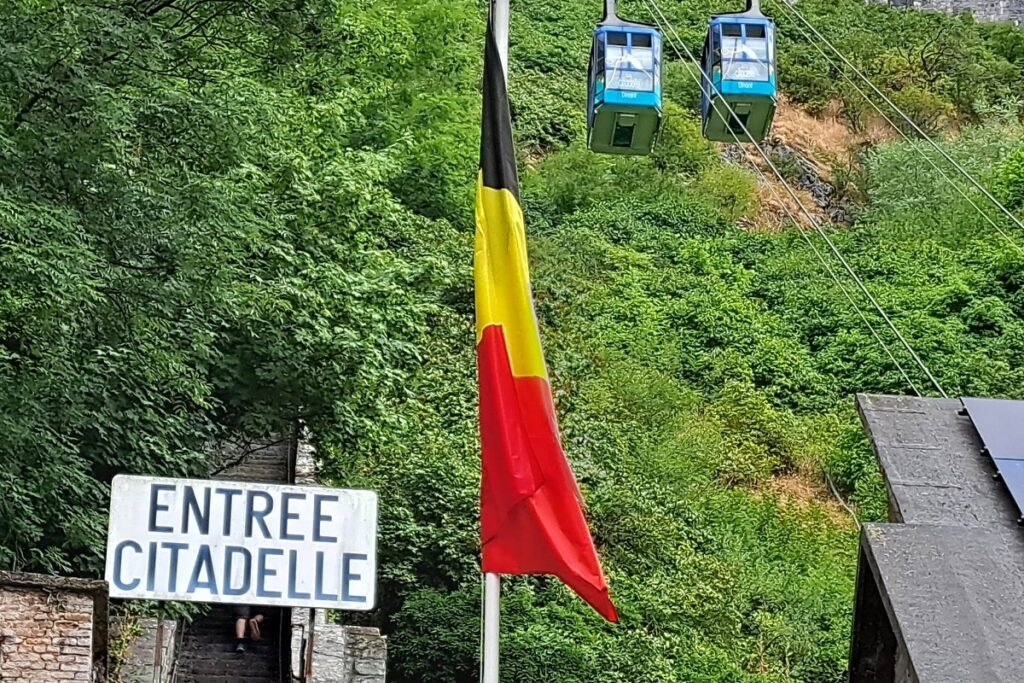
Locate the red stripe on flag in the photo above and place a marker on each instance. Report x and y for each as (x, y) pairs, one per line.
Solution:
(531, 520)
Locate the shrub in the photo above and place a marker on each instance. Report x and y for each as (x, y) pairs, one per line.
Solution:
(730, 187)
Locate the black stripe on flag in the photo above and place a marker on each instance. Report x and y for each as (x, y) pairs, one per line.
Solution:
(497, 156)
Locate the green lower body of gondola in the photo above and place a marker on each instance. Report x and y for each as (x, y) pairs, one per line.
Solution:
(753, 115)
(624, 131)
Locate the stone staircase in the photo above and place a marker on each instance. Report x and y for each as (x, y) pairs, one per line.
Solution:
(256, 462)
(207, 655)
(207, 650)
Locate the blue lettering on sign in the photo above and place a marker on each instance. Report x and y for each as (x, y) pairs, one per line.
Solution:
(229, 552)
(263, 572)
(203, 563)
(227, 493)
(286, 515)
(319, 516)
(294, 521)
(172, 579)
(151, 569)
(347, 576)
(293, 570)
(155, 507)
(192, 505)
(121, 584)
(258, 515)
(318, 587)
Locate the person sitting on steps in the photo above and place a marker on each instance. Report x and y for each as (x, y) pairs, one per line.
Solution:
(244, 617)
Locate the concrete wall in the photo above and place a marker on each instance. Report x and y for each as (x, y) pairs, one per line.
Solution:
(52, 629)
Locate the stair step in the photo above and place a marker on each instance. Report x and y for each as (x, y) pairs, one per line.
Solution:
(206, 653)
(207, 650)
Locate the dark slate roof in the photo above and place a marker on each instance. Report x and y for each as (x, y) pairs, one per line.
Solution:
(931, 458)
(957, 597)
(952, 572)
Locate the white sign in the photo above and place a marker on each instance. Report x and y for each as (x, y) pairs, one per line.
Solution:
(242, 542)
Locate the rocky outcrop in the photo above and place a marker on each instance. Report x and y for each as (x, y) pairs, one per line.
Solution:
(800, 173)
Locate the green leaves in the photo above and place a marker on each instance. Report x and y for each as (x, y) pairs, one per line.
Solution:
(218, 217)
(189, 248)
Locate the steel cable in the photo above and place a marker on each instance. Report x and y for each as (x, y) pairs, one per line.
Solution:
(675, 44)
(903, 115)
(906, 137)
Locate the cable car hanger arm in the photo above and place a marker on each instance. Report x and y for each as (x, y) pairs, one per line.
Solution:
(753, 10)
(609, 11)
(612, 19)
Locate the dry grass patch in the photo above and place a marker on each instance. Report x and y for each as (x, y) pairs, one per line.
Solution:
(802, 491)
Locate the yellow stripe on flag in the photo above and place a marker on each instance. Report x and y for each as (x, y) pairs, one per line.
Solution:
(502, 275)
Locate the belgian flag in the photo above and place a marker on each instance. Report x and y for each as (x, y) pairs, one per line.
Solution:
(531, 516)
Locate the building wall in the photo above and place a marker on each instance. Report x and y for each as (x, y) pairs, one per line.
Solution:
(48, 627)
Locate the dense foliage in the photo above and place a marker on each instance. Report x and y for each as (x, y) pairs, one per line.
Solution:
(220, 216)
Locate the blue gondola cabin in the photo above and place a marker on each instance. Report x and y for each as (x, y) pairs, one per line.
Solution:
(625, 109)
(739, 69)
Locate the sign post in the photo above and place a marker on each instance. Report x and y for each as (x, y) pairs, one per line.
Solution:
(242, 542)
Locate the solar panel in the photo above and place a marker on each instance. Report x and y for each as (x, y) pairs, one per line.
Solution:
(1000, 424)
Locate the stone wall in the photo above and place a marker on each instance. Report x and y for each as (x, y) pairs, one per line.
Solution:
(150, 653)
(303, 473)
(1011, 11)
(331, 653)
(348, 654)
(52, 629)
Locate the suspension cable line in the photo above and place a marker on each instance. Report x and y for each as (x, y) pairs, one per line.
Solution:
(835, 277)
(675, 44)
(903, 115)
(821, 258)
(920, 152)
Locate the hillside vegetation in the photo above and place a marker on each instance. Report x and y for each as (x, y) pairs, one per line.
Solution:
(218, 217)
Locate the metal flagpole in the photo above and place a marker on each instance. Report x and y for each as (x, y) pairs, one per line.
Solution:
(492, 582)
(492, 617)
(499, 24)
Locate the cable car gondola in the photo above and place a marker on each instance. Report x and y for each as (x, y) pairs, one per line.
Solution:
(739, 69)
(624, 111)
